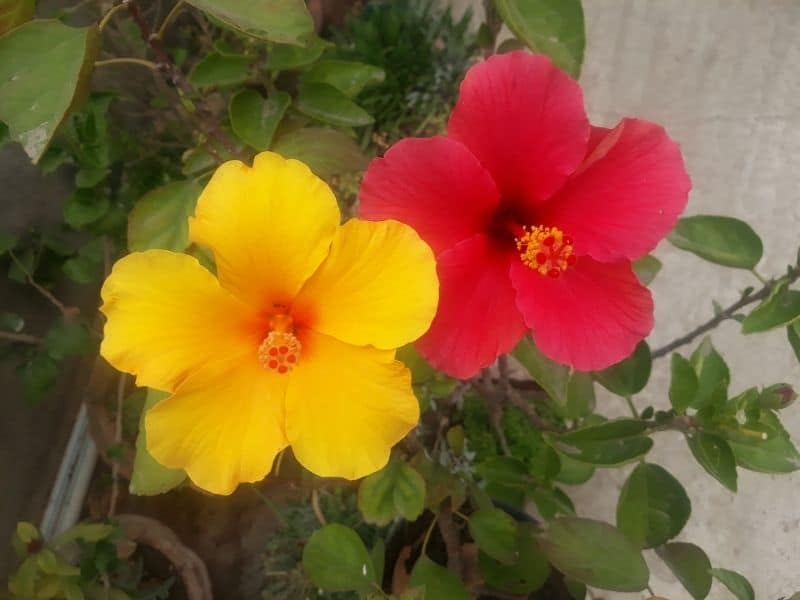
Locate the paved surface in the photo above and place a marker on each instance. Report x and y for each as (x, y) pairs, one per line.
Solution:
(724, 77)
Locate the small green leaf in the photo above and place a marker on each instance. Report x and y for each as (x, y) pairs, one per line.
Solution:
(68, 338)
(254, 118)
(87, 532)
(397, 490)
(285, 21)
(628, 377)
(551, 376)
(327, 151)
(776, 454)
(713, 376)
(715, 455)
(646, 269)
(149, 476)
(495, 532)
(336, 560)
(282, 57)
(160, 218)
(325, 103)
(27, 532)
(690, 565)
(7, 242)
(421, 371)
(721, 240)
(573, 472)
(83, 207)
(526, 575)
(14, 13)
(43, 55)
(220, 70)
(780, 309)
(580, 396)
(11, 322)
(552, 27)
(653, 506)
(595, 553)
(38, 377)
(608, 444)
(737, 584)
(346, 76)
(439, 583)
(793, 333)
(683, 384)
(378, 556)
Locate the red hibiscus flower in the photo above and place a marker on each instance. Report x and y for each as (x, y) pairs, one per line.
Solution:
(534, 216)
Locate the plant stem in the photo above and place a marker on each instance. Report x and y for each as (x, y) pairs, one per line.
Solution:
(127, 61)
(112, 504)
(451, 540)
(23, 338)
(317, 508)
(632, 408)
(428, 533)
(171, 15)
(111, 12)
(68, 312)
(727, 313)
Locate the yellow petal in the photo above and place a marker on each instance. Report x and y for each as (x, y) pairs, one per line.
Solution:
(167, 315)
(377, 286)
(346, 406)
(269, 226)
(223, 425)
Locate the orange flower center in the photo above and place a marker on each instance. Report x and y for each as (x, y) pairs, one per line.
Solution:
(546, 250)
(280, 350)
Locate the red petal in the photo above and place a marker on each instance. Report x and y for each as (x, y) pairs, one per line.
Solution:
(625, 197)
(477, 319)
(524, 120)
(435, 185)
(589, 318)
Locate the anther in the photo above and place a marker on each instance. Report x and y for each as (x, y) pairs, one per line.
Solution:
(546, 250)
(280, 351)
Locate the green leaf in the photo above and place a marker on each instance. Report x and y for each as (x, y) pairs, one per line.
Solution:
(596, 554)
(327, 151)
(628, 377)
(254, 118)
(781, 308)
(283, 57)
(397, 490)
(608, 444)
(325, 103)
(646, 269)
(495, 532)
(346, 76)
(336, 560)
(220, 70)
(38, 377)
(683, 384)
(7, 242)
(721, 240)
(27, 532)
(526, 575)
(43, 55)
(378, 556)
(776, 454)
(421, 371)
(285, 21)
(713, 376)
(580, 396)
(150, 477)
(573, 472)
(68, 338)
(439, 583)
(11, 322)
(160, 218)
(88, 532)
(83, 207)
(737, 584)
(14, 13)
(715, 456)
(690, 565)
(505, 471)
(552, 27)
(551, 376)
(653, 506)
(793, 333)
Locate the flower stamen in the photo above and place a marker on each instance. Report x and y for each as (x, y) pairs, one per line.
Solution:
(280, 352)
(546, 250)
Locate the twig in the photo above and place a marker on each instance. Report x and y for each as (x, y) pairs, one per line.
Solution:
(111, 12)
(728, 313)
(428, 533)
(317, 508)
(171, 15)
(127, 61)
(494, 405)
(23, 338)
(451, 540)
(112, 504)
(69, 312)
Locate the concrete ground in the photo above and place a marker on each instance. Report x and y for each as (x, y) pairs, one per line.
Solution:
(723, 76)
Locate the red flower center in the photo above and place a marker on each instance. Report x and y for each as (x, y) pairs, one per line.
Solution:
(545, 249)
(280, 350)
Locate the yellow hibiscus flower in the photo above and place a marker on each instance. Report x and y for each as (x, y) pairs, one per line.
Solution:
(292, 344)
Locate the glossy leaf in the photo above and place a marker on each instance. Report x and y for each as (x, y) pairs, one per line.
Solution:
(160, 218)
(14, 13)
(551, 376)
(646, 268)
(737, 584)
(149, 476)
(397, 490)
(84, 207)
(595, 553)
(43, 55)
(776, 454)
(580, 396)
(715, 455)
(780, 309)
(336, 560)
(325, 103)
(282, 57)
(713, 376)
(220, 70)
(608, 444)
(653, 506)
(683, 384)
(721, 240)
(495, 532)
(327, 151)
(348, 77)
(793, 333)
(552, 27)
(690, 565)
(527, 574)
(68, 338)
(285, 21)
(254, 118)
(438, 581)
(629, 376)
(38, 377)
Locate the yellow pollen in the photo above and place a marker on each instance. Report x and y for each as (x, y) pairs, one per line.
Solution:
(279, 352)
(546, 250)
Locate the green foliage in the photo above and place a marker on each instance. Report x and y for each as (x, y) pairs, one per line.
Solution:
(437, 581)
(779, 310)
(647, 268)
(397, 490)
(690, 565)
(721, 240)
(495, 532)
(715, 455)
(14, 13)
(527, 573)
(285, 21)
(607, 444)
(336, 560)
(254, 118)
(160, 218)
(628, 377)
(736, 583)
